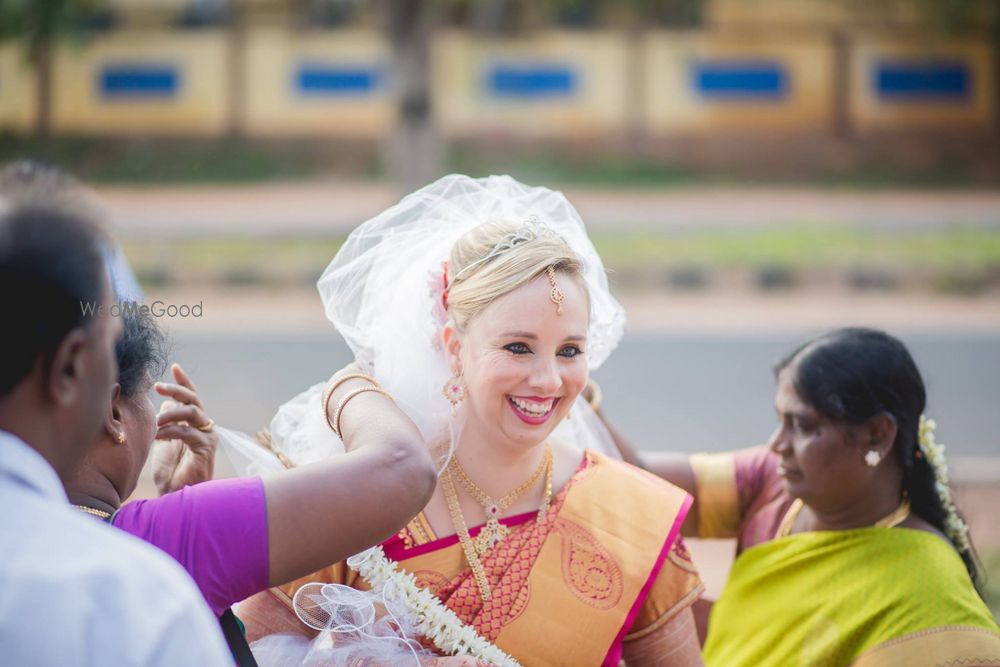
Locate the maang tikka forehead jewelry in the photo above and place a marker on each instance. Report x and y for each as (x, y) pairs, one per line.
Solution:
(555, 294)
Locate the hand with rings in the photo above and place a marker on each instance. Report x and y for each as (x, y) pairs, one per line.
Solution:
(186, 453)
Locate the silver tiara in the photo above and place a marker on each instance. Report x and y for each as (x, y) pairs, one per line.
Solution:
(531, 230)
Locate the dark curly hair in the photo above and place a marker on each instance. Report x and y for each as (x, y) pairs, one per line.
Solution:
(142, 351)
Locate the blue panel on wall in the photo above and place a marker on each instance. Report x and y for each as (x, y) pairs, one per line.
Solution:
(138, 81)
(918, 80)
(740, 80)
(326, 79)
(530, 81)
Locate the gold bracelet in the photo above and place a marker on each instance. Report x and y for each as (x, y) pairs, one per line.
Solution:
(333, 387)
(596, 395)
(347, 397)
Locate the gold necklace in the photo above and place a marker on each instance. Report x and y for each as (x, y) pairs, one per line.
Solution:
(451, 496)
(90, 510)
(894, 518)
(494, 532)
(468, 546)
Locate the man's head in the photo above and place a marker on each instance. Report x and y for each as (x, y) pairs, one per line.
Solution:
(57, 362)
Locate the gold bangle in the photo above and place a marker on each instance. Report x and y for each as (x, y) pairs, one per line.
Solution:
(596, 395)
(347, 397)
(333, 387)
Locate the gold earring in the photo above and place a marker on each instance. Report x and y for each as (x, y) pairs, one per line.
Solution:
(454, 391)
(121, 437)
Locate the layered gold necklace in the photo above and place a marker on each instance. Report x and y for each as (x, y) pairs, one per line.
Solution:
(494, 532)
(894, 518)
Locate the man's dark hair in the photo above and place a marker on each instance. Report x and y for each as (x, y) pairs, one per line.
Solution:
(51, 267)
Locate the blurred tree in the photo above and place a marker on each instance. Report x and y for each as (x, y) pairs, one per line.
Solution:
(634, 18)
(40, 24)
(415, 151)
(236, 67)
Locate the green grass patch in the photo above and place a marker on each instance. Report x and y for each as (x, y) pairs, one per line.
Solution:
(162, 160)
(807, 247)
(959, 259)
(231, 260)
(187, 161)
(610, 172)
(585, 166)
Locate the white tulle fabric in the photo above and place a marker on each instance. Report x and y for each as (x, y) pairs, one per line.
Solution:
(356, 627)
(383, 294)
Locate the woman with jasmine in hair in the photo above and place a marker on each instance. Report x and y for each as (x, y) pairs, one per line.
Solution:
(850, 549)
(481, 305)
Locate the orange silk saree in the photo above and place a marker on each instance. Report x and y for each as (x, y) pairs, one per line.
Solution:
(604, 567)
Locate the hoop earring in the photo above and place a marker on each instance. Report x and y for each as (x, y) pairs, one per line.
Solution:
(454, 391)
(873, 458)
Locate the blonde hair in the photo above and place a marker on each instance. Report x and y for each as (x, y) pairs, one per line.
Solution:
(477, 283)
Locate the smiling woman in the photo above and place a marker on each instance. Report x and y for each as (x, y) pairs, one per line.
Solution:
(520, 533)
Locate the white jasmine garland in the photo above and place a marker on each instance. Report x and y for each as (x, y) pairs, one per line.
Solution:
(957, 530)
(432, 619)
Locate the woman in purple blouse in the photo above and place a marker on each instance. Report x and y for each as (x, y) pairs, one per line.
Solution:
(236, 537)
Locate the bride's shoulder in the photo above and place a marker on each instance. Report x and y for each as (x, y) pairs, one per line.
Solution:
(628, 476)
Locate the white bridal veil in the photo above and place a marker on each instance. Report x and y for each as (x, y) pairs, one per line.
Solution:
(382, 292)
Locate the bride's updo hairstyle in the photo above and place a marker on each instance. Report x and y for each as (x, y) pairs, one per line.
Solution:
(496, 258)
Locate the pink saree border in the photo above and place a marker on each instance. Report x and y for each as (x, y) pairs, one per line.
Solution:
(614, 656)
(395, 550)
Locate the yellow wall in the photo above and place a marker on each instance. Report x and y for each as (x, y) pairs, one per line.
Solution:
(600, 104)
(464, 106)
(17, 89)
(276, 108)
(674, 105)
(198, 108)
(868, 112)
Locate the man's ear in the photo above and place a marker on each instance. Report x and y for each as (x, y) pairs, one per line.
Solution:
(113, 419)
(452, 348)
(62, 381)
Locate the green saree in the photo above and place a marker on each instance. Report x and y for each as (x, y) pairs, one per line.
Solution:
(857, 597)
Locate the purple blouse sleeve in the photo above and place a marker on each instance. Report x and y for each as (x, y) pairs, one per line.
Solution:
(763, 501)
(756, 473)
(216, 530)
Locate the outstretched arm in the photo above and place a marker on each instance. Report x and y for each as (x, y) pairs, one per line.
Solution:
(322, 513)
(675, 467)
